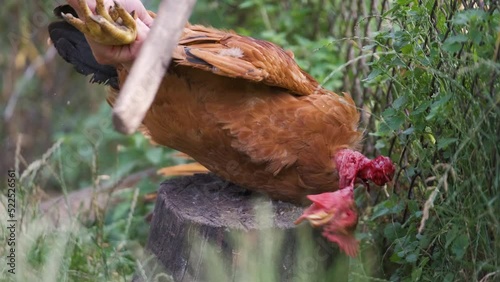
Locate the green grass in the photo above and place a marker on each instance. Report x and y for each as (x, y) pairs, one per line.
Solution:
(73, 249)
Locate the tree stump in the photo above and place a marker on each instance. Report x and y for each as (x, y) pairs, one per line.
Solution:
(206, 229)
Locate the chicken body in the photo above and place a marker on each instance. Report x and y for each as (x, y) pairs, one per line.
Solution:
(244, 109)
(257, 136)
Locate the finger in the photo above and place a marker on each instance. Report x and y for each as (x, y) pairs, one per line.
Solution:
(92, 5)
(142, 30)
(140, 10)
(146, 18)
(120, 55)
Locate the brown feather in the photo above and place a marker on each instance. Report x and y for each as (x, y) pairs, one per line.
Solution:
(244, 109)
(260, 61)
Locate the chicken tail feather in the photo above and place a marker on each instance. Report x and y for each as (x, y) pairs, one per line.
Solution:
(72, 46)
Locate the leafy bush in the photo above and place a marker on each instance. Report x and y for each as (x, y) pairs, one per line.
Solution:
(440, 71)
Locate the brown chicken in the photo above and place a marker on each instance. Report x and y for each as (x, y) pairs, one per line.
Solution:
(244, 109)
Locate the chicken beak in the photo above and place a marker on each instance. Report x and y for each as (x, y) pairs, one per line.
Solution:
(317, 219)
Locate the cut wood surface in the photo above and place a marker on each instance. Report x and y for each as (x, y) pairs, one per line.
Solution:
(201, 219)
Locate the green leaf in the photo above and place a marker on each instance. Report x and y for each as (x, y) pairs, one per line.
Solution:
(395, 122)
(443, 143)
(452, 47)
(399, 102)
(468, 16)
(413, 206)
(454, 43)
(138, 140)
(450, 236)
(393, 231)
(380, 144)
(449, 277)
(476, 36)
(247, 4)
(422, 107)
(368, 47)
(411, 258)
(396, 61)
(416, 274)
(390, 206)
(424, 241)
(380, 212)
(437, 106)
(404, 2)
(459, 246)
(374, 74)
(391, 121)
(155, 155)
(409, 131)
(407, 49)
(430, 137)
(410, 171)
(396, 258)
(460, 38)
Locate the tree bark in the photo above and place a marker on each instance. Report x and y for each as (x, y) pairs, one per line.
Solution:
(206, 229)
